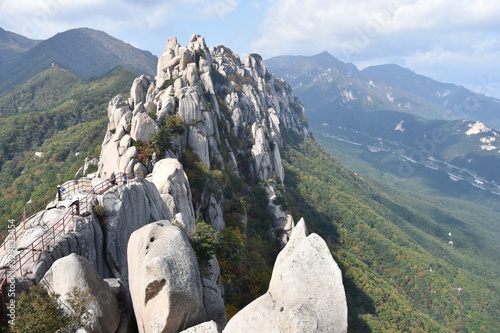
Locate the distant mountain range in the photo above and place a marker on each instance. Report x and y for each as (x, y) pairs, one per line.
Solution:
(324, 82)
(84, 52)
(464, 103)
(387, 109)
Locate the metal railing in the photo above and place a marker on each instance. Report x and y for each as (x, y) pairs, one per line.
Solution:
(29, 211)
(42, 243)
(33, 207)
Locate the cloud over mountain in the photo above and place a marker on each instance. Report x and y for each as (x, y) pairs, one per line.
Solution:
(430, 37)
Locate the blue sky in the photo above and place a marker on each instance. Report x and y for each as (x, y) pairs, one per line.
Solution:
(455, 41)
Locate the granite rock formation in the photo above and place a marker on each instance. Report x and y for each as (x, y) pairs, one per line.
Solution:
(306, 292)
(165, 282)
(226, 118)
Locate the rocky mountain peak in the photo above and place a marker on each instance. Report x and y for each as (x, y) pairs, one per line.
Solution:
(212, 96)
(185, 87)
(84, 52)
(170, 149)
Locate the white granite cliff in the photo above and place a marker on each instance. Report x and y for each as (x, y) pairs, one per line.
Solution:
(213, 93)
(127, 233)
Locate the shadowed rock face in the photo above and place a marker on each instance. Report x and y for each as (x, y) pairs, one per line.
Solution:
(305, 294)
(128, 208)
(165, 282)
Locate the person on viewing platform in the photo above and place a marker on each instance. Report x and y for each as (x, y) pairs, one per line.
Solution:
(60, 191)
(112, 179)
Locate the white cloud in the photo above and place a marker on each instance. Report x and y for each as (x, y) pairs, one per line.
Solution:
(317, 24)
(43, 18)
(451, 38)
(358, 25)
(430, 35)
(219, 8)
(256, 4)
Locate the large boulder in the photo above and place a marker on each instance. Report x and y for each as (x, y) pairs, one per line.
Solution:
(73, 273)
(172, 183)
(305, 294)
(143, 126)
(165, 282)
(128, 208)
(139, 90)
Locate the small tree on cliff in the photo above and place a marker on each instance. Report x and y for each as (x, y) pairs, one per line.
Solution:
(39, 312)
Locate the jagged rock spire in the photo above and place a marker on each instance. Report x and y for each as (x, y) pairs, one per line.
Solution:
(214, 94)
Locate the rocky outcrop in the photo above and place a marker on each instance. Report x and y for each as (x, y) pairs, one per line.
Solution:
(282, 225)
(127, 209)
(164, 279)
(172, 183)
(305, 294)
(214, 94)
(212, 206)
(212, 294)
(143, 126)
(74, 273)
(139, 90)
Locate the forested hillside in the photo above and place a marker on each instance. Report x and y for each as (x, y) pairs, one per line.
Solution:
(398, 277)
(60, 116)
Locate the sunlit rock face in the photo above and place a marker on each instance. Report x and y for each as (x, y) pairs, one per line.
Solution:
(306, 293)
(165, 282)
(215, 95)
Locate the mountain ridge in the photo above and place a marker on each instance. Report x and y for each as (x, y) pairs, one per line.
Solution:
(399, 116)
(462, 101)
(84, 52)
(386, 86)
(12, 45)
(321, 61)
